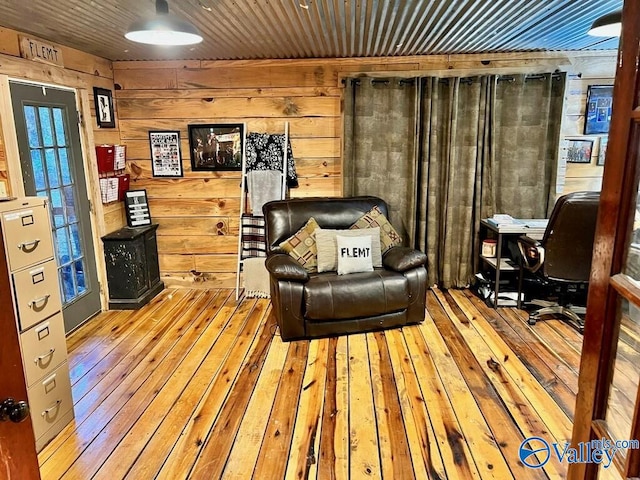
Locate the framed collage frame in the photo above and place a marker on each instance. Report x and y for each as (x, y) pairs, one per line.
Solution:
(166, 158)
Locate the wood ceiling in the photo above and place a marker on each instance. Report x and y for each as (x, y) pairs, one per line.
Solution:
(256, 29)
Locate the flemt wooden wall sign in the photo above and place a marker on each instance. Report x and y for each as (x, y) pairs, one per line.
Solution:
(40, 51)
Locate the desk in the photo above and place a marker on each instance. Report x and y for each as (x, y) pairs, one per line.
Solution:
(531, 227)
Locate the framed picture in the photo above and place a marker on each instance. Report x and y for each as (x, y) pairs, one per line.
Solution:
(578, 150)
(603, 150)
(216, 146)
(166, 160)
(137, 208)
(598, 109)
(104, 107)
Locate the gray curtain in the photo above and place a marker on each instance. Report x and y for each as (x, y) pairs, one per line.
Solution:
(380, 146)
(451, 186)
(485, 145)
(525, 127)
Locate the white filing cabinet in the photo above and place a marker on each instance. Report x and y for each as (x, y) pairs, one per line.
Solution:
(26, 231)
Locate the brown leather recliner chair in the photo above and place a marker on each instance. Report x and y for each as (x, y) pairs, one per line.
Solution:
(309, 305)
(562, 259)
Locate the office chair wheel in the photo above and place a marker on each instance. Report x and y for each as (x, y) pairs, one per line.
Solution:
(532, 319)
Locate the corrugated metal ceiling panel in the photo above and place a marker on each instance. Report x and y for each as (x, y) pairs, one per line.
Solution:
(254, 29)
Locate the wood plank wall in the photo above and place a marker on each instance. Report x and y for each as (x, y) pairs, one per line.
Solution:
(199, 213)
(581, 176)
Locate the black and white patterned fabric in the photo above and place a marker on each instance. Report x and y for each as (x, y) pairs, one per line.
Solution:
(253, 242)
(265, 151)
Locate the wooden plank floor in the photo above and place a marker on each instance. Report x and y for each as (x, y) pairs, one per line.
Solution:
(194, 385)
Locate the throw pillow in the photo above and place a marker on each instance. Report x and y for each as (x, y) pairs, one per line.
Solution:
(302, 246)
(375, 218)
(354, 254)
(328, 247)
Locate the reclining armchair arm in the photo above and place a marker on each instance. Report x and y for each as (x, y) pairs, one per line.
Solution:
(284, 267)
(401, 259)
(532, 253)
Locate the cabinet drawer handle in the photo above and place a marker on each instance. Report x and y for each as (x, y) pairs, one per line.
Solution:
(51, 408)
(43, 300)
(42, 357)
(29, 245)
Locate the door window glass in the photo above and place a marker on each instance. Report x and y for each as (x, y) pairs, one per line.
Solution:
(53, 179)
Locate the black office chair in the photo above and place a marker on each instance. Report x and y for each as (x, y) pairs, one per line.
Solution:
(561, 261)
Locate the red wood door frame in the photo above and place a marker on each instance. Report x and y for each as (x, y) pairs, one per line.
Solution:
(18, 458)
(617, 203)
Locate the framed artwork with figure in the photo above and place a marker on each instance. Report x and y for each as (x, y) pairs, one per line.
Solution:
(216, 147)
(578, 150)
(103, 101)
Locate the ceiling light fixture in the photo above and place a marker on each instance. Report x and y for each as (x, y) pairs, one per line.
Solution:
(608, 25)
(163, 29)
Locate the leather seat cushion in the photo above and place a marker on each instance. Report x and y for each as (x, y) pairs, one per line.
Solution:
(329, 296)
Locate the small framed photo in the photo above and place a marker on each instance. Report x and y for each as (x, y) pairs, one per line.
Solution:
(578, 150)
(137, 208)
(603, 150)
(104, 107)
(598, 109)
(215, 147)
(166, 160)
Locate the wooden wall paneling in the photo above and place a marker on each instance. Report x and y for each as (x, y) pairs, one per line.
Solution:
(9, 43)
(234, 92)
(257, 76)
(228, 107)
(38, 72)
(177, 263)
(198, 244)
(195, 279)
(186, 207)
(73, 59)
(188, 188)
(10, 139)
(4, 168)
(144, 79)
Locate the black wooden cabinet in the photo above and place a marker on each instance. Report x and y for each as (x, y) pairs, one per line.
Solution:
(133, 273)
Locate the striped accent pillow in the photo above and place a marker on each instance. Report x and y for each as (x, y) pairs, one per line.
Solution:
(302, 246)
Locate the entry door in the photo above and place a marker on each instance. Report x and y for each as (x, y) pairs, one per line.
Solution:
(608, 403)
(51, 157)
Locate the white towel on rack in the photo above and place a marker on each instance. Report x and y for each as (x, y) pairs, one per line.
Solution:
(264, 186)
(256, 278)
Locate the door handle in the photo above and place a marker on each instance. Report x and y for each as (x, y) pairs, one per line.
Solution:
(13, 411)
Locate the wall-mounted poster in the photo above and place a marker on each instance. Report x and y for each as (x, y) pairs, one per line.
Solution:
(578, 150)
(216, 146)
(166, 160)
(137, 208)
(598, 110)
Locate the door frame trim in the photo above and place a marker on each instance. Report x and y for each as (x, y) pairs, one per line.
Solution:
(89, 163)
